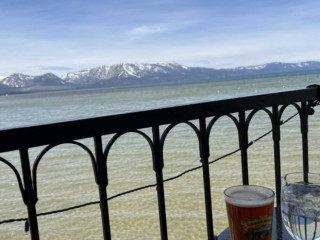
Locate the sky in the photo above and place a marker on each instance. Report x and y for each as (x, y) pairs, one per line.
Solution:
(61, 36)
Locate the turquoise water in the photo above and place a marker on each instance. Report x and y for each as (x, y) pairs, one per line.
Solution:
(30, 109)
(65, 175)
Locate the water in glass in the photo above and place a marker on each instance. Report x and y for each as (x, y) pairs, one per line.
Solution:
(300, 205)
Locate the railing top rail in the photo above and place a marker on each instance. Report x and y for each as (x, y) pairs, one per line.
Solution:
(32, 136)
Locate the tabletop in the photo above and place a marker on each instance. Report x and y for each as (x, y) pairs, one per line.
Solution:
(278, 229)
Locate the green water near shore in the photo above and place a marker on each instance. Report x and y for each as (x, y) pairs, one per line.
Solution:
(65, 176)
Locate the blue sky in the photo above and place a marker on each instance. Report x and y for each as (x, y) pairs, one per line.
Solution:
(61, 36)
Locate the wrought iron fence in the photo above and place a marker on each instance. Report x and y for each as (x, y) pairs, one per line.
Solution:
(207, 114)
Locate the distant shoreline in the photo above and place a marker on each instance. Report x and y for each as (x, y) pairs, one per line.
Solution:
(53, 89)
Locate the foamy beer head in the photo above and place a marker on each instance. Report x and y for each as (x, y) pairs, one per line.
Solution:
(250, 210)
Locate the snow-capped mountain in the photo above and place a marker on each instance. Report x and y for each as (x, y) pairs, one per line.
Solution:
(121, 75)
(122, 71)
(273, 68)
(21, 81)
(282, 67)
(17, 80)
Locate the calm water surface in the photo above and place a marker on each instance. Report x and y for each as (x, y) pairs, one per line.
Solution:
(65, 176)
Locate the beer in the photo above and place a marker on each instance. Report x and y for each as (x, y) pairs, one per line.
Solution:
(250, 211)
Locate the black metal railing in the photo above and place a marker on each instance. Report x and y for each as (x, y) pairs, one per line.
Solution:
(207, 113)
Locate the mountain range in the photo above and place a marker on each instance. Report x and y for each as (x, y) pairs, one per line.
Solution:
(125, 75)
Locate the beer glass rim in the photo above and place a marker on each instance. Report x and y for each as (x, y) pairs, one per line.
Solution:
(300, 174)
(246, 202)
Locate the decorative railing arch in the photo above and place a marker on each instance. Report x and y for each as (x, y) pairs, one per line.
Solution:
(215, 119)
(51, 146)
(17, 175)
(168, 129)
(207, 114)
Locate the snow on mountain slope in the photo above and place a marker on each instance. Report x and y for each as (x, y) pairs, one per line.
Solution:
(121, 71)
(18, 80)
(282, 66)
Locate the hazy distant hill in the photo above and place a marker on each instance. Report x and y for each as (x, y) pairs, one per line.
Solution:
(122, 75)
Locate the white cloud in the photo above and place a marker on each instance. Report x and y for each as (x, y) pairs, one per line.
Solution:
(147, 30)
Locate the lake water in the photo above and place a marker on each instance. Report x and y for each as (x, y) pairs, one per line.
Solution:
(65, 176)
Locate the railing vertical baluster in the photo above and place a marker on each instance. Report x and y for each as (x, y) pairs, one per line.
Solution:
(276, 135)
(276, 147)
(29, 194)
(243, 144)
(158, 167)
(304, 132)
(102, 183)
(204, 155)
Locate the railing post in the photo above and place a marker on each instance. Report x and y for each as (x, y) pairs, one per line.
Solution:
(243, 145)
(29, 194)
(102, 183)
(204, 155)
(276, 147)
(276, 135)
(304, 133)
(158, 167)
(307, 109)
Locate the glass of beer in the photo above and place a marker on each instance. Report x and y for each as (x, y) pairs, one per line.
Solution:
(250, 211)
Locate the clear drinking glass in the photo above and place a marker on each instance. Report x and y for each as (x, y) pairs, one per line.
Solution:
(300, 205)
